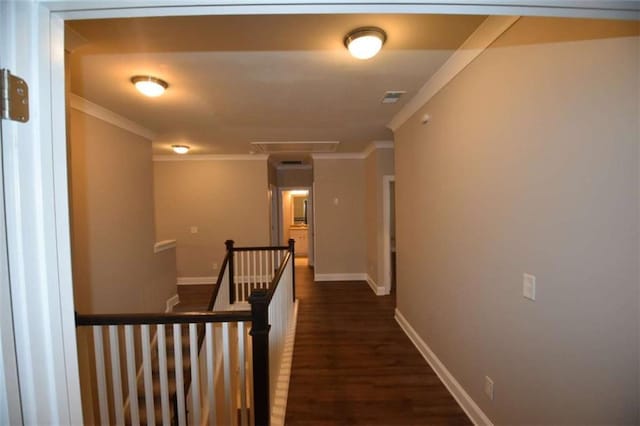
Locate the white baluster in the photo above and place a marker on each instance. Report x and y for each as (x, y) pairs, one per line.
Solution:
(243, 377)
(177, 354)
(211, 372)
(255, 273)
(98, 346)
(226, 366)
(195, 375)
(131, 374)
(116, 381)
(164, 381)
(148, 378)
(261, 255)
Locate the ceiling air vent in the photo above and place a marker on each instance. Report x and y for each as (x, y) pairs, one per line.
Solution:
(296, 146)
(392, 96)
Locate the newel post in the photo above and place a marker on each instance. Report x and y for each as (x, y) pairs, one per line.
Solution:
(259, 300)
(292, 249)
(232, 287)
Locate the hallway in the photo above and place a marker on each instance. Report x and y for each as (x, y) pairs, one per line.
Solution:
(352, 364)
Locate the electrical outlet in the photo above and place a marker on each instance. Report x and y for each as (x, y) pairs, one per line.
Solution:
(488, 387)
(194, 229)
(215, 266)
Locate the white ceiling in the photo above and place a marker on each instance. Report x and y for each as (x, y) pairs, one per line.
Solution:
(240, 79)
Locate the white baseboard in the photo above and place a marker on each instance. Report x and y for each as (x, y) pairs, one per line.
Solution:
(377, 289)
(171, 302)
(340, 277)
(197, 280)
(469, 406)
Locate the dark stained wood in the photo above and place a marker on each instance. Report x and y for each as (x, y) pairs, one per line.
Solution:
(193, 297)
(259, 300)
(353, 364)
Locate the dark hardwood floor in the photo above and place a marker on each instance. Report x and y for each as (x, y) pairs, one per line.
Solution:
(353, 364)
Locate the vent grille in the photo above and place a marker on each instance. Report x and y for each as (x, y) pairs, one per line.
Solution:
(291, 163)
(392, 96)
(296, 147)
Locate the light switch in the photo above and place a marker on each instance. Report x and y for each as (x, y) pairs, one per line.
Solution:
(336, 201)
(194, 229)
(529, 286)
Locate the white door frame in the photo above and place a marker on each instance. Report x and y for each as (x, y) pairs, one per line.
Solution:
(274, 216)
(35, 163)
(386, 231)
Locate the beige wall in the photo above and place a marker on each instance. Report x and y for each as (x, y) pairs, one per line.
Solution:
(223, 199)
(111, 181)
(340, 229)
(530, 164)
(295, 177)
(378, 164)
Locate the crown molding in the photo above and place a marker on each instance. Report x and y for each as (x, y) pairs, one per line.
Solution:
(81, 104)
(211, 157)
(377, 145)
(486, 33)
(355, 155)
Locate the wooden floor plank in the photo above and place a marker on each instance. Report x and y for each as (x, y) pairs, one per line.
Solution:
(353, 364)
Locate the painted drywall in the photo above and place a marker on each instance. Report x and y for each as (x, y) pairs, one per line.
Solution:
(340, 230)
(223, 199)
(112, 217)
(378, 164)
(295, 177)
(530, 164)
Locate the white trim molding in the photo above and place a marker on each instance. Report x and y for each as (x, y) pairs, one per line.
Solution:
(81, 104)
(341, 277)
(377, 145)
(387, 202)
(492, 28)
(377, 290)
(197, 280)
(284, 377)
(469, 406)
(164, 245)
(171, 302)
(211, 157)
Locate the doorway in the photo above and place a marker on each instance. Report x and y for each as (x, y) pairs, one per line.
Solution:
(295, 212)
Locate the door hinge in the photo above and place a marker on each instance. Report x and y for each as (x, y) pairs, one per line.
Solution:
(14, 94)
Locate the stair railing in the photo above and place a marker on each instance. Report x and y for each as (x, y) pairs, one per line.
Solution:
(231, 356)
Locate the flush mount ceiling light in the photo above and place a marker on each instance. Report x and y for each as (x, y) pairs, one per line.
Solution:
(180, 149)
(149, 86)
(366, 42)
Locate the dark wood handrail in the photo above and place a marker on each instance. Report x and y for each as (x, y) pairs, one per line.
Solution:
(162, 318)
(265, 248)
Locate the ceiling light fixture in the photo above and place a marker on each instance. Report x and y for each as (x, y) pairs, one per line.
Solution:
(149, 86)
(180, 149)
(366, 42)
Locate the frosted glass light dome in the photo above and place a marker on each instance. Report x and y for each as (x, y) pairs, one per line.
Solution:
(365, 43)
(149, 86)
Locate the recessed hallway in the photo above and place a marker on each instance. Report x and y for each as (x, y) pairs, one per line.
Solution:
(352, 364)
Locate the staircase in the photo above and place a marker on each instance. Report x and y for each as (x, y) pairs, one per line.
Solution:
(156, 386)
(220, 373)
